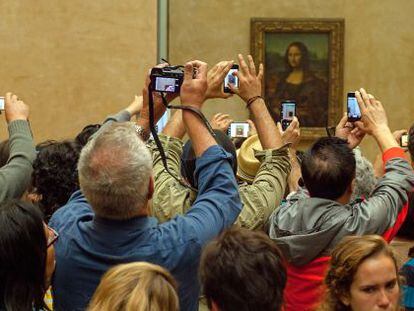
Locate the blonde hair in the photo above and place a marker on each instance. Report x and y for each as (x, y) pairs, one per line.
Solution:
(138, 286)
(346, 258)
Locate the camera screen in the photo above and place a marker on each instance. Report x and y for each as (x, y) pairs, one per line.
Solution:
(166, 84)
(404, 140)
(230, 78)
(288, 111)
(353, 108)
(239, 129)
(1, 103)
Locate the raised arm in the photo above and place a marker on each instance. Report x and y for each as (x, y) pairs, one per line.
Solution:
(16, 174)
(250, 90)
(383, 211)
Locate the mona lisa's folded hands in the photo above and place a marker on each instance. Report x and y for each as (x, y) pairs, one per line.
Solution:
(250, 82)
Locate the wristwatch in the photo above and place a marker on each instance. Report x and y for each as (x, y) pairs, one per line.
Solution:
(143, 133)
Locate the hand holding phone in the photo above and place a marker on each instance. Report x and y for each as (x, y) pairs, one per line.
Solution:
(238, 129)
(231, 79)
(354, 113)
(288, 111)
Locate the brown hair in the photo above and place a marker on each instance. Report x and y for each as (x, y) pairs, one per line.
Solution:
(243, 270)
(138, 286)
(346, 258)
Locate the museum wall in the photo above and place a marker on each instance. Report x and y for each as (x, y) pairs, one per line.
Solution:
(74, 62)
(379, 45)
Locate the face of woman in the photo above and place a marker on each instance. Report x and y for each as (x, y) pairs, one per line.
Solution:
(294, 56)
(51, 238)
(375, 286)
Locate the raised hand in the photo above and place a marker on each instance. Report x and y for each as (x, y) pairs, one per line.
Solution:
(15, 108)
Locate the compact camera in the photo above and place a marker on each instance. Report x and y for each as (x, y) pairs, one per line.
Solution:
(167, 79)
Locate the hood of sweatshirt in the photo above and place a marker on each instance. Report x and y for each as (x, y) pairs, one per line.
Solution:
(308, 228)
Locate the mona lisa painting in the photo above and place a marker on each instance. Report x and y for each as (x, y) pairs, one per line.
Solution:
(303, 63)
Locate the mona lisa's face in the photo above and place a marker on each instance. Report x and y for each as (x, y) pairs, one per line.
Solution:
(294, 56)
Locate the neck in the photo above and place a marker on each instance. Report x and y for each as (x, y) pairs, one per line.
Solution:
(344, 199)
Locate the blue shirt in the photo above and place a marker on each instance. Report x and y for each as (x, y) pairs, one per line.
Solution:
(89, 245)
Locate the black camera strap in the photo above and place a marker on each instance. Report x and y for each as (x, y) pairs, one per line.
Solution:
(155, 134)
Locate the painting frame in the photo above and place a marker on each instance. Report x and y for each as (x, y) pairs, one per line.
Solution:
(334, 29)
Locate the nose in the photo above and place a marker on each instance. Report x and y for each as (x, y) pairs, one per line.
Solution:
(383, 300)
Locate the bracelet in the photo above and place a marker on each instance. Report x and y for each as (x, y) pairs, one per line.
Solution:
(252, 100)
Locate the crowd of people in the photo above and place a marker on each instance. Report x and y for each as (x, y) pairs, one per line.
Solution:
(98, 222)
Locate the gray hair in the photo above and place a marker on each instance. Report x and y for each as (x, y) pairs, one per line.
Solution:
(365, 180)
(114, 172)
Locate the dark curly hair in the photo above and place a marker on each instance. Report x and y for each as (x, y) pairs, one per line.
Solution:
(83, 137)
(55, 174)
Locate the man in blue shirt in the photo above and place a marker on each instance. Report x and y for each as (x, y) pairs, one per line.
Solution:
(107, 223)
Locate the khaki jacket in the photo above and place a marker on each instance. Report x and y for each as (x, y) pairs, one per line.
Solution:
(259, 199)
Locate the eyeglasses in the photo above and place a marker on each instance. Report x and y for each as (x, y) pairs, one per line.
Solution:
(53, 236)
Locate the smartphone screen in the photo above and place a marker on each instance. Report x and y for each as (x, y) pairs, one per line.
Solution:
(169, 85)
(404, 141)
(1, 103)
(238, 129)
(287, 113)
(231, 78)
(354, 114)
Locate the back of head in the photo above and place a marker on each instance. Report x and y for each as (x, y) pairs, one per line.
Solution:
(346, 258)
(188, 158)
(138, 286)
(55, 174)
(115, 168)
(411, 142)
(243, 270)
(83, 137)
(22, 256)
(328, 168)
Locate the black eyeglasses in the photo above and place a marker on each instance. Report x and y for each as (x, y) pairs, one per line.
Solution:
(53, 236)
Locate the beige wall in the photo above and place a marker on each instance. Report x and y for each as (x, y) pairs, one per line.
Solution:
(379, 44)
(75, 61)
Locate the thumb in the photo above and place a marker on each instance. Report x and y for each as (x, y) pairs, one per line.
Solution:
(343, 120)
(279, 126)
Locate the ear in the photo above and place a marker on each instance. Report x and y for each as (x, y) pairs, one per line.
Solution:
(345, 300)
(150, 188)
(214, 306)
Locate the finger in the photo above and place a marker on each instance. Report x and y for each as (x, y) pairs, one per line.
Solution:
(233, 88)
(8, 97)
(294, 123)
(365, 97)
(188, 71)
(243, 65)
(252, 67)
(225, 70)
(223, 117)
(261, 69)
(360, 125)
(361, 104)
(343, 121)
(201, 72)
(279, 127)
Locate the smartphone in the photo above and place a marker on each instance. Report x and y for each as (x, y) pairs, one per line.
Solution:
(238, 129)
(288, 111)
(1, 103)
(404, 140)
(354, 114)
(230, 78)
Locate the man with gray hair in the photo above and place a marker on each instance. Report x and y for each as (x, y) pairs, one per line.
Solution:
(107, 223)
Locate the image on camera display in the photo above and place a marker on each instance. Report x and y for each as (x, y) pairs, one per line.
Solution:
(1, 103)
(288, 111)
(404, 140)
(238, 129)
(230, 78)
(165, 84)
(353, 108)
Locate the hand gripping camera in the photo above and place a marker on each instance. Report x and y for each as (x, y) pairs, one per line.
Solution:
(167, 79)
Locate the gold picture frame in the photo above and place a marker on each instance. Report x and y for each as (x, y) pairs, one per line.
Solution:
(303, 61)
